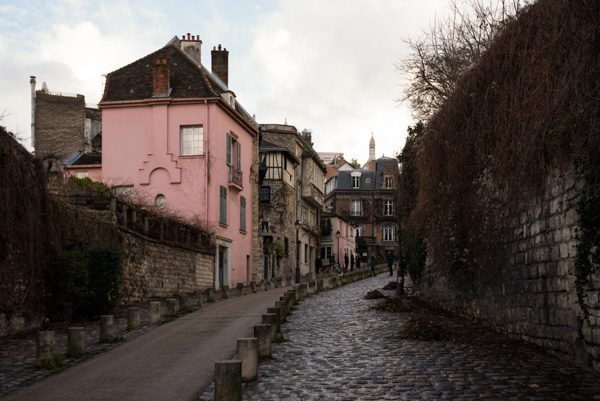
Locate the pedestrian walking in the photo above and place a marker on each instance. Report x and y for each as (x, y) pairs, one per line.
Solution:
(358, 261)
(372, 262)
(346, 261)
(351, 263)
(318, 265)
(390, 262)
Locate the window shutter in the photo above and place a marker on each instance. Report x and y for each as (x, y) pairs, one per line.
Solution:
(223, 206)
(243, 213)
(229, 143)
(239, 155)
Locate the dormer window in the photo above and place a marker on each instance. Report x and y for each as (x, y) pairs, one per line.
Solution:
(355, 180)
(389, 182)
(229, 97)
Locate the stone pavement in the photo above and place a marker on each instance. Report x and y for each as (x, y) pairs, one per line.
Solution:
(337, 348)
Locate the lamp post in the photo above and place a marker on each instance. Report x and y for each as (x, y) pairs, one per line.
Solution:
(337, 234)
(297, 224)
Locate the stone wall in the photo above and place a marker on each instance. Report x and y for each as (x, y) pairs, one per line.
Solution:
(532, 294)
(155, 269)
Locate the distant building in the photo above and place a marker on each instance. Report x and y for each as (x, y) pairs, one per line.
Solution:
(291, 200)
(337, 239)
(330, 157)
(61, 125)
(367, 199)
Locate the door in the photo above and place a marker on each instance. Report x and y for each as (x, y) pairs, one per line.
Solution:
(266, 278)
(222, 253)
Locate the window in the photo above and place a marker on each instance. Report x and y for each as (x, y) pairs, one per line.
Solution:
(305, 253)
(223, 205)
(389, 233)
(355, 182)
(359, 231)
(234, 152)
(191, 141)
(242, 213)
(389, 182)
(265, 194)
(346, 230)
(81, 174)
(356, 208)
(388, 208)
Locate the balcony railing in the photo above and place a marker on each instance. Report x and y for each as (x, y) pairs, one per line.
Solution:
(235, 177)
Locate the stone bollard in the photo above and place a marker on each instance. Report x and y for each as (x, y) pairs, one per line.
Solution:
(183, 300)
(75, 341)
(253, 286)
(263, 333)
(264, 286)
(133, 318)
(107, 328)
(198, 296)
(228, 380)
(303, 290)
(277, 312)
(172, 306)
(312, 287)
(225, 292)
(44, 352)
(155, 314)
(247, 352)
(297, 291)
(283, 310)
(319, 285)
(210, 295)
(240, 292)
(271, 319)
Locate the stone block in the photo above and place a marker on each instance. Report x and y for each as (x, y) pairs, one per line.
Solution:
(228, 380)
(276, 311)
(198, 297)
(133, 318)
(183, 300)
(210, 295)
(75, 341)
(247, 352)
(263, 333)
(44, 350)
(107, 328)
(155, 313)
(271, 318)
(240, 290)
(172, 306)
(225, 292)
(253, 286)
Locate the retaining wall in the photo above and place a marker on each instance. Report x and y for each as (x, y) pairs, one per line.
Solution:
(532, 294)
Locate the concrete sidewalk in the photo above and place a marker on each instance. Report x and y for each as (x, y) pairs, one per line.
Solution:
(172, 361)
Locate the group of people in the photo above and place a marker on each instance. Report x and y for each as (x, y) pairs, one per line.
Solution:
(351, 260)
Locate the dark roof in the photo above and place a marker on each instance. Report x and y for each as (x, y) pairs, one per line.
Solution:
(266, 146)
(187, 79)
(344, 180)
(83, 159)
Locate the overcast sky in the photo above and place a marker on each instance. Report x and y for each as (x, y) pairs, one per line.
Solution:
(326, 65)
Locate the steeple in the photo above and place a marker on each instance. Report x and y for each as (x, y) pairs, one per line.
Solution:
(368, 165)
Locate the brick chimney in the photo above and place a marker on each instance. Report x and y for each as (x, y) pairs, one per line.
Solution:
(192, 46)
(160, 82)
(220, 64)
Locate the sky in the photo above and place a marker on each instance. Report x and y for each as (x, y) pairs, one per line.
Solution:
(323, 65)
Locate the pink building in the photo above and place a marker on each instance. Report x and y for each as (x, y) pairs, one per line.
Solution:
(174, 136)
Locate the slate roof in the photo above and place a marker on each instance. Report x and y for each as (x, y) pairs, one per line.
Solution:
(83, 159)
(375, 178)
(188, 80)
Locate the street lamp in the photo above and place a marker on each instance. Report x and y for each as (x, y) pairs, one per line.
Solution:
(297, 224)
(337, 234)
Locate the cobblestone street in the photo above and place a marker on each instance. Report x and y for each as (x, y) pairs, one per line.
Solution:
(337, 348)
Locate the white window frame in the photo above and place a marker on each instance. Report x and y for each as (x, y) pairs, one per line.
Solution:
(195, 134)
(388, 233)
(388, 208)
(359, 231)
(389, 182)
(356, 207)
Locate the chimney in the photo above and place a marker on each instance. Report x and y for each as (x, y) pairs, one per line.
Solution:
(192, 46)
(32, 83)
(160, 82)
(220, 64)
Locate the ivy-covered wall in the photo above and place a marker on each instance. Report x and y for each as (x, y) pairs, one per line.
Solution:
(533, 291)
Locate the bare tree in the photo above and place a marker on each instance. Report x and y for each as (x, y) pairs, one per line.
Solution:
(439, 56)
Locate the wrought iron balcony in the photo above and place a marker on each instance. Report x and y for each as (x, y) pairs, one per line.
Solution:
(236, 178)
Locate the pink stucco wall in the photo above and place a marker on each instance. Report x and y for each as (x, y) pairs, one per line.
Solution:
(94, 172)
(141, 148)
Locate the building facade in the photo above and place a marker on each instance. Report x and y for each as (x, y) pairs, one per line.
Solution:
(175, 137)
(290, 203)
(367, 200)
(337, 240)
